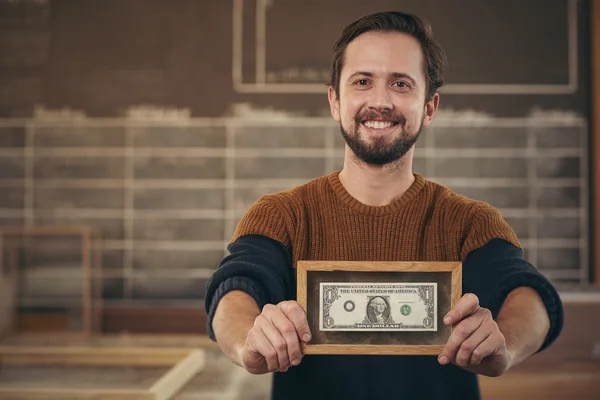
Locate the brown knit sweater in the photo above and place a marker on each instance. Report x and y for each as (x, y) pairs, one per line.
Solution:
(320, 220)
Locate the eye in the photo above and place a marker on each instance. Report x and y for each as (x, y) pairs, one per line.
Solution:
(362, 82)
(401, 84)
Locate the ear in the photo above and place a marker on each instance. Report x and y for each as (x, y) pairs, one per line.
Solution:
(334, 103)
(430, 109)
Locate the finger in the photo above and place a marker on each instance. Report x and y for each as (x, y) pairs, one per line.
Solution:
(288, 331)
(459, 334)
(488, 347)
(467, 348)
(261, 344)
(296, 314)
(278, 343)
(468, 304)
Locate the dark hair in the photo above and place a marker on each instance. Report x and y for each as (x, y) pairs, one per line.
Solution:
(434, 58)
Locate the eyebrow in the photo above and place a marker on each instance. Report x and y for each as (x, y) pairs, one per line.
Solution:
(393, 74)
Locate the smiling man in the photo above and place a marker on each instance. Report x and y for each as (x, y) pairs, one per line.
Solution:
(381, 113)
(383, 91)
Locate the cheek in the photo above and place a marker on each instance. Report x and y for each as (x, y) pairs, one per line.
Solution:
(414, 115)
(350, 107)
(347, 114)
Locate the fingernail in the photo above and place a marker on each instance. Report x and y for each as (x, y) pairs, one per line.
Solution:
(295, 361)
(306, 337)
(443, 360)
(447, 319)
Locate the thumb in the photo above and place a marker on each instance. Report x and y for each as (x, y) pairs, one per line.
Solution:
(297, 316)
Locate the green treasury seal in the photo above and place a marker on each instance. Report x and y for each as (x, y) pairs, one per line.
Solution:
(405, 309)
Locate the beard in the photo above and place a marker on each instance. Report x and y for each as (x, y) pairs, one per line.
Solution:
(379, 151)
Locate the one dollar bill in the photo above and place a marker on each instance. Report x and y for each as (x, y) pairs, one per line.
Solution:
(346, 306)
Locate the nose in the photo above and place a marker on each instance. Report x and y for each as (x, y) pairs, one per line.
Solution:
(380, 98)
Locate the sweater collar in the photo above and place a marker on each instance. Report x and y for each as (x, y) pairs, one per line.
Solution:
(396, 205)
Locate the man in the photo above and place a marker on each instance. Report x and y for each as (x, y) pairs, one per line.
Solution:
(383, 91)
(376, 311)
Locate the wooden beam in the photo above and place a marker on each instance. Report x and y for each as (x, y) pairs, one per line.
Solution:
(64, 339)
(184, 363)
(90, 356)
(178, 376)
(552, 381)
(595, 77)
(90, 239)
(137, 320)
(74, 394)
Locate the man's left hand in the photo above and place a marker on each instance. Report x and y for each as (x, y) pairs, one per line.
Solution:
(476, 343)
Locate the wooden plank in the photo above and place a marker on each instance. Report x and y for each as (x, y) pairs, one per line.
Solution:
(179, 375)
(86, 288)
(185, 363)
(391, 349)
(6, 306)
(553, 381)
(111, 340)
(90, 356)
(595, 77)
(74, 394)
(45, 230)
(98, 281)
(2, 272)
(45, 322)
(142, 320)
(456, 286)
(379, 266)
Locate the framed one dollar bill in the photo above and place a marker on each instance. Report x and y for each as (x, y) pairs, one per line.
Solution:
(377, 307)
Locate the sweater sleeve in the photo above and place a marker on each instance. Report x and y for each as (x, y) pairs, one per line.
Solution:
(486, 224)
(257, 265)
(259, 261)
(493, 270)
(264, 218)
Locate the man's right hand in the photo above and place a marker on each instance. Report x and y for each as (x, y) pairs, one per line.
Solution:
(273, 343)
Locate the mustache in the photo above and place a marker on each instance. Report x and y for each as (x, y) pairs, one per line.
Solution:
(380, 115)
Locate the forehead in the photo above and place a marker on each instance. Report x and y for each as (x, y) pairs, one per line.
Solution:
(384, 53)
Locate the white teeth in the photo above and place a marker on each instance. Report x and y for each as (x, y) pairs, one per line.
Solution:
(377, 124)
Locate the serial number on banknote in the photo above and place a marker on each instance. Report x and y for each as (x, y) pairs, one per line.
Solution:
(345, 306)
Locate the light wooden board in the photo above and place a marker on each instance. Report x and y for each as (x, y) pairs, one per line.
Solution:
(178, 376)
(553, 381)
(92, 356)
(184, 363)
(74, 394)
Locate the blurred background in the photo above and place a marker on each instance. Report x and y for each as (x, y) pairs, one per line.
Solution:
(134, 134)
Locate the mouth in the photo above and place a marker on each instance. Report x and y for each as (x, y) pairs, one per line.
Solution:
(379, 127)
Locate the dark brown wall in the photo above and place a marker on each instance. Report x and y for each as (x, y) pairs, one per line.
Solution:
(166, 195)
(103, 56)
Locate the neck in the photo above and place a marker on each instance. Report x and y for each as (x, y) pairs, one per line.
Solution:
(376, 185)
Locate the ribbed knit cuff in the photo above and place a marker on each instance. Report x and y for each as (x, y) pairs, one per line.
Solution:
(245, 284)
(547, 292)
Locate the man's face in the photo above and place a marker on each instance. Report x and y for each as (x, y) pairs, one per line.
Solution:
(381, 108)
(379, 305)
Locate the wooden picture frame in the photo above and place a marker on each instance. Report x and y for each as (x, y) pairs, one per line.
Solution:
(594, 23)
(91, 268)
(184, 364)
(310, 274)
